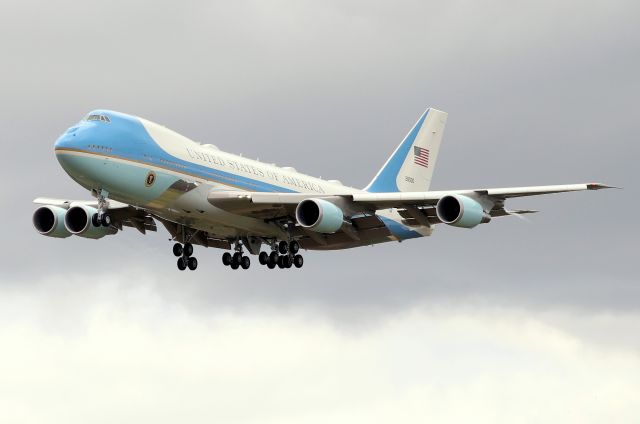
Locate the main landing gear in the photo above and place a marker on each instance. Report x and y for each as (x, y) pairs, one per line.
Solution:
(284, 255)
(185, 260)
(238, 259)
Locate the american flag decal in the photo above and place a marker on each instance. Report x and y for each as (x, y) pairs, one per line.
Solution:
(421, 156)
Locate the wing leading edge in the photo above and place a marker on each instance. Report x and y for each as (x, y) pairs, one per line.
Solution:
(279, 203)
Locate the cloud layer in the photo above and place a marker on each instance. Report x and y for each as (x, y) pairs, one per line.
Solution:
(512, 321)
(104, 352)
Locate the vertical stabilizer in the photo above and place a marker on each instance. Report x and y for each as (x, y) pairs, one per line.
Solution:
(410, 167)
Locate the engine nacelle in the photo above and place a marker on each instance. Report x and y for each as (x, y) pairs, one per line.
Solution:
(461, 211)
(49, 221)
(78, 221)
(319, 215)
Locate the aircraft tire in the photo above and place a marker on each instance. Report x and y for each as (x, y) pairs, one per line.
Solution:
(182, 264)
(273, 257)
(298, 261)
(234, 265)
(192, 263)
(263, 258)
(294, 246)
(106, 220)
(94, 220)
(188, 249)
(177, 249)
(283, 247)
(226, 258)
(245, 262)
(271, 264)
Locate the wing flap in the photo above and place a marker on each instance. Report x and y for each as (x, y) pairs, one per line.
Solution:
(430, 198)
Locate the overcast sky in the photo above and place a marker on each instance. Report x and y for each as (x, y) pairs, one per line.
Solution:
(517, 320)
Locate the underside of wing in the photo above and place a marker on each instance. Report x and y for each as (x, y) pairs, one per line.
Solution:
(360, 212)
(271, 205)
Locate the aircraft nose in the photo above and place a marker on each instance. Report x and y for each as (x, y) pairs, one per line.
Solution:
(69, 139)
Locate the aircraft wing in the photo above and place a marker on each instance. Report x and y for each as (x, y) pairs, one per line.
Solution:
(430, 198)
(124, 215)
(121, 213)
(278, 204)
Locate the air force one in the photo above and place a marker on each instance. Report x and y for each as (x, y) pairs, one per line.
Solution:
(141, 173)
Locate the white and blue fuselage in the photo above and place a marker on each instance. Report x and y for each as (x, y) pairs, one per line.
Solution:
(148, 166)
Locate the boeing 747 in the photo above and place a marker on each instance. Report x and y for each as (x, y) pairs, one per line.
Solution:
(141, 173)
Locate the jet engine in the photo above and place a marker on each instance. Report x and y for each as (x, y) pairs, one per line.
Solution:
(78, 221)
(49, 221)
(461, 211)
(319, 215)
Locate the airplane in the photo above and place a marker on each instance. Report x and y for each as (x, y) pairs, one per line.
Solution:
(141, 173)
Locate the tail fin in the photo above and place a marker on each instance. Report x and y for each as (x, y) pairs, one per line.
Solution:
(410, 167)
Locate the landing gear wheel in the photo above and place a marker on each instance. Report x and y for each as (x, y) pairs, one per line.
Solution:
(273, 257)
(192, 263)
(271, 264)
(177, 249)
(281, 262)
(106, 220)
(245, 262)
(235, 260)
(188, 249)
(94, 220)
(283, 247)
(263, 258)
(286, 261)
(298, 261)
(182, 264)
(294, 246)
(227, 258)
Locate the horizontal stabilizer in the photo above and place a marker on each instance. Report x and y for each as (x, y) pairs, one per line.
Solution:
(506, 212)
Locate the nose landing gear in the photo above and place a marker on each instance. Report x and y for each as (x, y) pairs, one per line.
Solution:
(102, 218)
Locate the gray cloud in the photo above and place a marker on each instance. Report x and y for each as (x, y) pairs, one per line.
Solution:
(537, 93)
(78, 352)
(515, 320)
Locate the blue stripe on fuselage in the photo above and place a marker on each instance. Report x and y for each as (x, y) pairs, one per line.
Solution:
(125, 137)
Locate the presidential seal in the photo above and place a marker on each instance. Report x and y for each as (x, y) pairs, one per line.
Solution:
(151, 178)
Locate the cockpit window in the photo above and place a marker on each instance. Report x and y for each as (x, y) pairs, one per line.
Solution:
(103, 118)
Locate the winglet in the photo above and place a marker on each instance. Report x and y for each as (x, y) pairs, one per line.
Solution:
(596, 186)
(521, 211)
